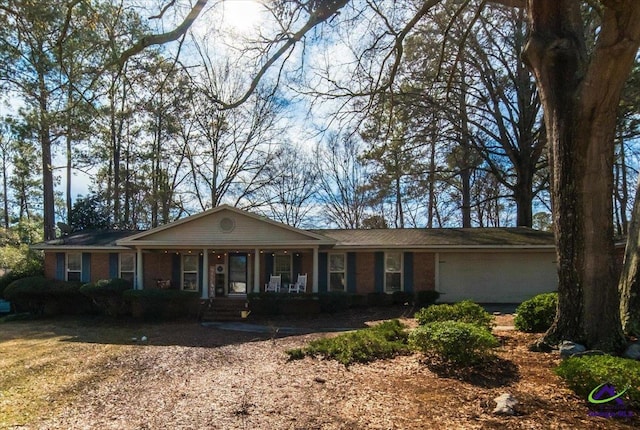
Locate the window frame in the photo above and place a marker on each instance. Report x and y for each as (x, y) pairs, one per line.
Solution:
(343, 271)
(67, 270)
(133, 269)
(281, 273)
(399, 271)
(184, 272)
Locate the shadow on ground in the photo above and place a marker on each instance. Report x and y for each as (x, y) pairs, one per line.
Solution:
(190, 332)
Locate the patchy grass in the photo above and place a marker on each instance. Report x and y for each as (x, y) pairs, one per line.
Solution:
(40, 374)
(385, 340)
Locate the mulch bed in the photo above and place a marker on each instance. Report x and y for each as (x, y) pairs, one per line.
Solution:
(186, 376)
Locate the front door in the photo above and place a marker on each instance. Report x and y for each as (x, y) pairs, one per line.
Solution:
(237, 273)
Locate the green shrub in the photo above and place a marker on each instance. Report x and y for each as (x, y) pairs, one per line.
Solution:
(426, 298)
(162, 304)
(465, 311)
(536, 314)
(41, 296)
(402, 297)
(334, 301)
(384, 340)
(456, 342)
(583, 374)
(379, 299)
(29, 267)
(107, 295)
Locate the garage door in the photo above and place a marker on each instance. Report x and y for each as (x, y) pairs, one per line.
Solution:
(496, 277)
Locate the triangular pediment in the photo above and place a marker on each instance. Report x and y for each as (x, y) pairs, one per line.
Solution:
(225, 226)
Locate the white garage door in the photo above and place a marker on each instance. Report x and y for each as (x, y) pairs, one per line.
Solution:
(492, 277)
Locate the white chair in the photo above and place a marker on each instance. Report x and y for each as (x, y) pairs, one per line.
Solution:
(274, 284)
(300, 286)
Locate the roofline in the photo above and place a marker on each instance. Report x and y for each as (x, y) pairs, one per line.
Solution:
(227, 244)
(62, 247)
(375, 247)
(132, 240)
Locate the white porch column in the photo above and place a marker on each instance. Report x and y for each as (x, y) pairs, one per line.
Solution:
(205, 273)
(315, 270)
(139, 271)
(256, 270)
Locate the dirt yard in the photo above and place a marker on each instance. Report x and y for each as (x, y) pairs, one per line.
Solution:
(92, 374)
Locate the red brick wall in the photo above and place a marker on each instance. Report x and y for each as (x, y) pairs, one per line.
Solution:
(50, 264)
(157, 266)
(99, 266)
(424, 271)
(365, 272)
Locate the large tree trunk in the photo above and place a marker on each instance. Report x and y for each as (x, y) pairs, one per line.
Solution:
(580, 101)
(44, 135)
(629, 282)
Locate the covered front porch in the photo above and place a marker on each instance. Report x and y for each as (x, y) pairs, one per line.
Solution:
(225, 252)
(224, 272)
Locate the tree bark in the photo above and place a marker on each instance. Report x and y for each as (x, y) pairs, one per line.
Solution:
(44, 135)
(580, 100)
(629, 282)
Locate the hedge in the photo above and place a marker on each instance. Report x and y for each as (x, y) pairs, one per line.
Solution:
(106, 295)
(162, 304)
(40, 296)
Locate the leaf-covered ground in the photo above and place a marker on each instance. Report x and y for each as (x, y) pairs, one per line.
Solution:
(91, 374)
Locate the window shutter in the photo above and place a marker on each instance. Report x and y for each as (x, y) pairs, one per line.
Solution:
(175, 271)
(86, 267)
(323, 268)
(379, 271)
(113, 265)
(351, 272)
(60, 266)
(408, 272)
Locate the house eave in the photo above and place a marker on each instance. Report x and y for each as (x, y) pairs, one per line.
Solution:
(233, 244)
(437, 248)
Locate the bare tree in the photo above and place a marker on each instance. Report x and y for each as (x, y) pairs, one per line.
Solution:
(342, 182)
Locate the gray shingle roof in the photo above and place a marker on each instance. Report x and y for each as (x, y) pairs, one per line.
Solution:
(90, 238)
(441, 237)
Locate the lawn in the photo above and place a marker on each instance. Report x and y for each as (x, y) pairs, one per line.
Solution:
(90, 373)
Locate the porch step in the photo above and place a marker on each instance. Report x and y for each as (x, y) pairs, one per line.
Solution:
(223, 309)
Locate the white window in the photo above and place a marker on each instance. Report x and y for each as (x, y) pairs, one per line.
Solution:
(127, 266)
(282, 267)
(74, 266)
(337, 273)
(392, 272)
(190, 272)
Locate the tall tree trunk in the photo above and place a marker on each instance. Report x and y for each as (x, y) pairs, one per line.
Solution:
(523, 196)
(44, 135)
(432, 175)
(580, 101)
(5, 195)
(629, 279)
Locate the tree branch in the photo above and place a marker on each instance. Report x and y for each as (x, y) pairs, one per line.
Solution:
(159, 39)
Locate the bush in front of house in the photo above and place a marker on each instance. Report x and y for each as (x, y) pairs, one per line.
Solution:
(162, 304)
(455, 342)
(427, 298)
(584, 374)
(465, 311)
(40, 296)
(106, 294)
(385, 340)
(32, 265)
(536, 314)
(334, 301)
(379, 299)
